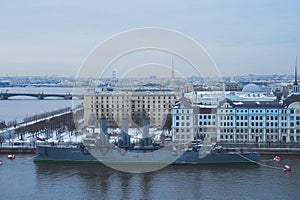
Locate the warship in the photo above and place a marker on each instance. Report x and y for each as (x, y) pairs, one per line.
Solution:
(99, 148)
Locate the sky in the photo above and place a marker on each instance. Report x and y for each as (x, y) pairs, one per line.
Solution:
(47, 38)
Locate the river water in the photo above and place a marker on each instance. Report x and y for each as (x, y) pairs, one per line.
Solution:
(22, 179)
(19, 107)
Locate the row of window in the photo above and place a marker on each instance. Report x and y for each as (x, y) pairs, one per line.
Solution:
(148, 102)
(207, 116)
(183, 111)
(207, 123)
(258, 118)
(283, 111)
(270, 130)
(245, 136)
(183, 117)
(271, 137)
(183, 124)
(116, 96)
(182, 130)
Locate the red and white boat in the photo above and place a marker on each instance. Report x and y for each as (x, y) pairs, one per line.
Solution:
(11, 156)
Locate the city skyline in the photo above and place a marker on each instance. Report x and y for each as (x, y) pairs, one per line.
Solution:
(54, 38)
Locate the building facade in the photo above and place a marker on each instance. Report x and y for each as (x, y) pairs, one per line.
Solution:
(133, 105)
(239, 121)
(253, 121)
(183, 129)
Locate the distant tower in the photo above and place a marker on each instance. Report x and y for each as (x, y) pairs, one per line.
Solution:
(114, 75)
(172, 82)
(296, 86)
(296, 82)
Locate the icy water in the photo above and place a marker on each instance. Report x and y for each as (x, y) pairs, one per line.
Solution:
(22, 179)
(19, 107)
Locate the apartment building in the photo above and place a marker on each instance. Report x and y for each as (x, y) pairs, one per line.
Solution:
(134, 105)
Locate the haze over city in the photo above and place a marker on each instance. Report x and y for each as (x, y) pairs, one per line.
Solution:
(54, 38)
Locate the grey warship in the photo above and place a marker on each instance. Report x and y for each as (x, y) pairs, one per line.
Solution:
(96, 148)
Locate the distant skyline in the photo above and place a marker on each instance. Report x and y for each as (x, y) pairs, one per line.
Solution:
(53, 37)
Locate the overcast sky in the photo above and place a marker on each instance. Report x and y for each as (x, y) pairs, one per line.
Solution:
(242, 37)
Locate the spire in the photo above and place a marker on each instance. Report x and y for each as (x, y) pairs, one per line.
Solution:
(296, 88)
(172, 83)
(296, 82)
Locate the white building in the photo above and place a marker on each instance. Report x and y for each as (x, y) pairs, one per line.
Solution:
(183, 121)
(239, 121)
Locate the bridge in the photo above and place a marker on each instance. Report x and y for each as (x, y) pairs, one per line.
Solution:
(67, 96)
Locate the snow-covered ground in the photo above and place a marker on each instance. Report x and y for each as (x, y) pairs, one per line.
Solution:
(31, 140)
(66, 137)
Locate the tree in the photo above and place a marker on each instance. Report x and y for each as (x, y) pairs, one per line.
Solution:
(2, 139)
(2, 125)
(168, 122)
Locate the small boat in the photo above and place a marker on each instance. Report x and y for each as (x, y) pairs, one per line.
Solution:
(0, 162)
(277, 158)
(11, 156)
(287, 168)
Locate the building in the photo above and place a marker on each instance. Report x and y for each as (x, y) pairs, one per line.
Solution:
(128, 104)
(260, 121)
(239, 121)
(183, 129)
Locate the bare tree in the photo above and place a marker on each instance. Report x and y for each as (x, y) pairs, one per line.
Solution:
(2, 139)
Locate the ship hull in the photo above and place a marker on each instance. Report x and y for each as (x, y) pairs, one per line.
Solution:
(46, 153)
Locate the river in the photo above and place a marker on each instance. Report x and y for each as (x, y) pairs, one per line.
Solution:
(22, 179)
(19, 107)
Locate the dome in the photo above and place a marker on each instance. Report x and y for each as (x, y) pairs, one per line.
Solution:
(251, 88)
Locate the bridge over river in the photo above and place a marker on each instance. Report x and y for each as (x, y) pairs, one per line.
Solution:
(41, 95)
